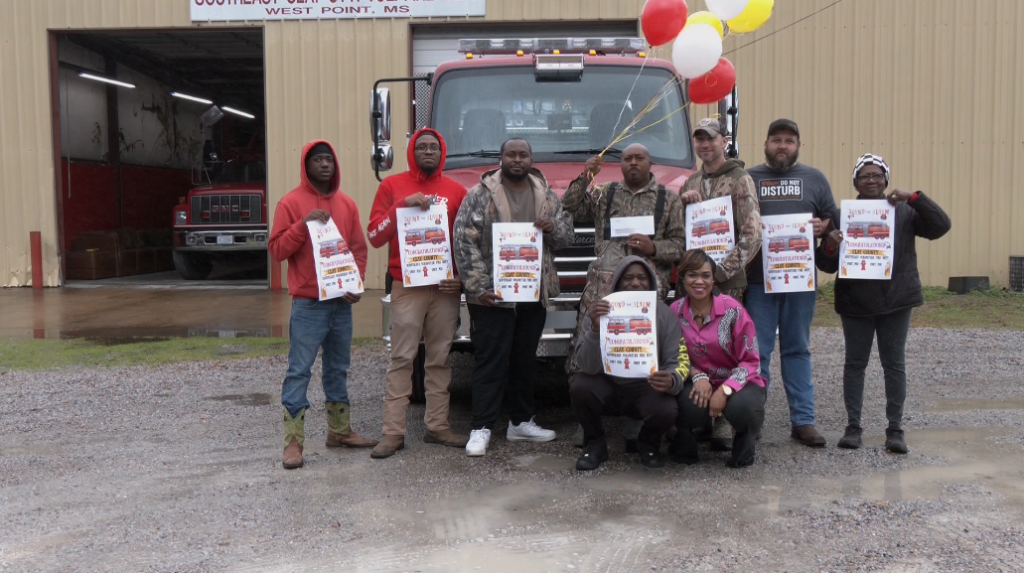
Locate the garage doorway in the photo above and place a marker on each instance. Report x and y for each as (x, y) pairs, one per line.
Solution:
(162, 158)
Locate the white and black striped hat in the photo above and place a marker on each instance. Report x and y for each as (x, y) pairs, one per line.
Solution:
(871, 159)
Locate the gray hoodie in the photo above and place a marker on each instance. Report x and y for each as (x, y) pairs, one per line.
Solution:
(588, 350)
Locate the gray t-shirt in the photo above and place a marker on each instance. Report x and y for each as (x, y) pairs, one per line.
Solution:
(802, 189)
(522, 205)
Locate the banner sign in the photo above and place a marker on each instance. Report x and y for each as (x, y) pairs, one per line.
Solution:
(518, 259)
(787, 252)
(241, 10)
(868, 228)
(336, 270)
(709, 227)
(629, 337)
(424, 245)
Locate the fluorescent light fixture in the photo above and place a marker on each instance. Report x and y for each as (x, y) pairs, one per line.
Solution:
(191, 98)
(106, 80)
(237, 112)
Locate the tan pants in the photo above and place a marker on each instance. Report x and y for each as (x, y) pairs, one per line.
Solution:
(428, 314)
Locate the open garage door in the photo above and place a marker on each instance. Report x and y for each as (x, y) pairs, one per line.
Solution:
(163, 162)
(432, 45)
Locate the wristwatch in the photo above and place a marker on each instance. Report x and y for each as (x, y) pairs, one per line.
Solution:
(727, 390)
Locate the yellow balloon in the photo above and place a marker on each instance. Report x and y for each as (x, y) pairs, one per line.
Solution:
(753, 16)
(706, 18)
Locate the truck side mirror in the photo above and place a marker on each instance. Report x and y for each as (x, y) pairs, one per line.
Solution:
(382, 157)
(380, 115)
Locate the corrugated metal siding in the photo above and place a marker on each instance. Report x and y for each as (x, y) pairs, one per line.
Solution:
(937, 86)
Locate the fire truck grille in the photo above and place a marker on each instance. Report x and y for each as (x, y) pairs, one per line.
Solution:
(221, 209)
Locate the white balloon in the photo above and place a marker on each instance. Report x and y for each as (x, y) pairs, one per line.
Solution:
(727, 9)
(696, 50)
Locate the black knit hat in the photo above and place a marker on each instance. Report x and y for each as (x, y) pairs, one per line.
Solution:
(320, 149)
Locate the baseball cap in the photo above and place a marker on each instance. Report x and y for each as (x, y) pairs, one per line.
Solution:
(711, 126)
(780, 124)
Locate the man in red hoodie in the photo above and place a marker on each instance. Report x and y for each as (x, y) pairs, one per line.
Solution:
(315, 323)
(430, 312)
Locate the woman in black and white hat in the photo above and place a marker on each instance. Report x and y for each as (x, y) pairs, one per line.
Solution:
(882, 307)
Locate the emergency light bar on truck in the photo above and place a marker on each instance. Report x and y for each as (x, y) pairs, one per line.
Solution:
(523, 46)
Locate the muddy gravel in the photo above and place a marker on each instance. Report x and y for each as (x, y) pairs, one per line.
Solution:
(178, 468)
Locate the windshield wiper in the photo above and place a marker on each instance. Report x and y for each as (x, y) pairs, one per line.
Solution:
(481, 153)
(591, 151)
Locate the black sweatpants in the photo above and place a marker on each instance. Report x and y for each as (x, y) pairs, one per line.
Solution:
(596, 395)
(744, 410)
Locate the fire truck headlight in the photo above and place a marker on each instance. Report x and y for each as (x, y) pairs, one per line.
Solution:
(180, 217)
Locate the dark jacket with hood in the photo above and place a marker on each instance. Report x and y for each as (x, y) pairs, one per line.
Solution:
(393, 191)
(670, 345)
(289, 237)
(918, 217)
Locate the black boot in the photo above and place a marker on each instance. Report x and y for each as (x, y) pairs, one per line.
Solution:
(683, 449)
(851, 439)
(593, 455)
(894, 441)
(650, 457)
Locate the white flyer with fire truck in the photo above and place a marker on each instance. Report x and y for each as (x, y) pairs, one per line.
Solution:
(787, 253)
(424, 245)
(868, 238)
(518, 251)
(629, 338)
(336, 271)
(709, 226)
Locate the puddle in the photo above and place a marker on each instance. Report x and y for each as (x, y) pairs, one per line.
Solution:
(254, 399)
(966, 405)
(544, 463)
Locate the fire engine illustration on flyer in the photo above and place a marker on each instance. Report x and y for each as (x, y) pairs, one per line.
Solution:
(787, 253)
(629, 339)
(518, 251)
(424, 245)
(709, 226)
(868, 228)
(336, 270)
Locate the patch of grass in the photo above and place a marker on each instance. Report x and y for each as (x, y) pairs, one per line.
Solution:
(992, 309)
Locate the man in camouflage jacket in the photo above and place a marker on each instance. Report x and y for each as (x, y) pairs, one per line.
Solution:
(721, 177)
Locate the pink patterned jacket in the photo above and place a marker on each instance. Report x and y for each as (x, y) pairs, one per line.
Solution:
(725, 346)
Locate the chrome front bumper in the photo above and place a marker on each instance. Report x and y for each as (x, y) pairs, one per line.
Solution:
(223, 240)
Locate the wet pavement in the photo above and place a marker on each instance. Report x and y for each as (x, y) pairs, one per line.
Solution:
(118, 313)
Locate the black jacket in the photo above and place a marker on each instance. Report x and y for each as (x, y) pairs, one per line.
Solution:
(919, 217)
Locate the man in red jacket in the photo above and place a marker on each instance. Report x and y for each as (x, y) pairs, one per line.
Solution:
(315, 323)
(427, 312)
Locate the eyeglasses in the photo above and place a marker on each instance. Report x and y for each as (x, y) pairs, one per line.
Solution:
(428, 147)
(871, 177)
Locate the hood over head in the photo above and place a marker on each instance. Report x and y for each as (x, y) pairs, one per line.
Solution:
(410, 154)
(628, 260)
(731, 166)
(335, 179)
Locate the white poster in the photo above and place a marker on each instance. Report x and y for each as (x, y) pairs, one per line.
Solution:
(709, 226)
(787, 252)
(424, 245)
(336, 270)
(518, 251)
(241, 10)
(629, 337)
(868, 238)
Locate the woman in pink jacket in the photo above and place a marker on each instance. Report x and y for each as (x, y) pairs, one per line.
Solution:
(725, 368)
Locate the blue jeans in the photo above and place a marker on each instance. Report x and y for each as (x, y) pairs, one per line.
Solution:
(313, 325)
(792, 314)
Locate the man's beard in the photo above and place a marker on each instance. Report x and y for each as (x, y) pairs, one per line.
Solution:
(783, 165)
(427, 172)
(507, 174)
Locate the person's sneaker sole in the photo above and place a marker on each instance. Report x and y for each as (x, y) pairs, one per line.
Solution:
(518, 438)
(476, 454)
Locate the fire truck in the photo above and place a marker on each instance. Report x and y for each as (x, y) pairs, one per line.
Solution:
(718, 227)
(779, 244)
(413, 238)
(528, 254)
(435, 236)
(570, 98)
(640, 325)
(617, 326)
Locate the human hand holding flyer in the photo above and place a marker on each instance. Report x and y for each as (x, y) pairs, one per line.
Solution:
(787, 252)
(518, 253)
(629, 338)
(868, 228)
(424, 245)
(336, 270)
(709, 226)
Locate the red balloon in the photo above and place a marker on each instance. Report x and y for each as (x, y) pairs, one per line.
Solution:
(662, 20)
(714, 85)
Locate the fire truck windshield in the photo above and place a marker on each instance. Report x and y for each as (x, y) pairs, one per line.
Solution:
(478, 108)
(242, 171)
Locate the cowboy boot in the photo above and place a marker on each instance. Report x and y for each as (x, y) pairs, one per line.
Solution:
(339, 431)
(294, 436)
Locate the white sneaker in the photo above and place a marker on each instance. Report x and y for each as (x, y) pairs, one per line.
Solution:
(477, 444)
(529, 431)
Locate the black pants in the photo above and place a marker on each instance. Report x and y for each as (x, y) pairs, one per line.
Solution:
(505, 360)
(595, 395)
(892, 330)
(744, 410)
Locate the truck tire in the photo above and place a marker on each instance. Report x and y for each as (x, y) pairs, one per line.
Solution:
(419, 375)
(193, 266)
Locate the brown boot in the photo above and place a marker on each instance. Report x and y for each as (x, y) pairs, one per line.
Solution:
(339, 431)
(294, 436)
(388, 446)
(446, 438)
(808, 435)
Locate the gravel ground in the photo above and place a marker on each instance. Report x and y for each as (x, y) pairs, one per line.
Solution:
(177, 468)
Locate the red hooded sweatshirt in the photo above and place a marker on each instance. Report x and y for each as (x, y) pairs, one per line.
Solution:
(290, 240)
(392, 193)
